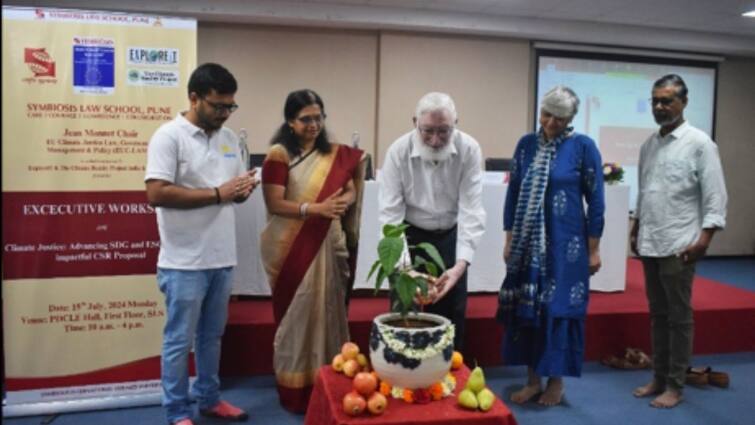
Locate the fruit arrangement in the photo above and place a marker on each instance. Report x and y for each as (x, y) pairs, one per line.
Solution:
(475, 394)
(350, 361)
(364, 394)
(370, 394)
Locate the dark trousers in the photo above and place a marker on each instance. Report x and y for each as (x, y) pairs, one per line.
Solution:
(668, 285)
(454, 305)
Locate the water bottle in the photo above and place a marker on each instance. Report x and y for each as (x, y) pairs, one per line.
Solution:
(244, 149)
(355, 139)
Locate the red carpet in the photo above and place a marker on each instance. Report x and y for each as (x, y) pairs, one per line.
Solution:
(724, 318)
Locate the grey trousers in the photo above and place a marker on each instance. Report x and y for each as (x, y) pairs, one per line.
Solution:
(668, 285)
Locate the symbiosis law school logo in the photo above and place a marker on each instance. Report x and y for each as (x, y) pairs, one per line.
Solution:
(93, 65)
(40, 63)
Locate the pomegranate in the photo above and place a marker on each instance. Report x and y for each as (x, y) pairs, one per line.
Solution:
(353, 403)
(365, 383)
(377, 404)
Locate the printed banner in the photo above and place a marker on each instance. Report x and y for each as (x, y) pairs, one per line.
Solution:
(83, 91)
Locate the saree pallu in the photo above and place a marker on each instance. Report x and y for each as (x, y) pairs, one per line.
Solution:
(310, 266)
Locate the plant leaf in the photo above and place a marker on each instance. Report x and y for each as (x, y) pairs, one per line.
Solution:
(374, 267)
(393, 230)
(422, 284)
(380, 279)
(388, 228)
(406, 287)
(433, 254)
(418, 262)
(432, 269)
(389, 252)
(429, 267)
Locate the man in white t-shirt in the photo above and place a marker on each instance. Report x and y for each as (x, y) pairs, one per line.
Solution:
(194, 172)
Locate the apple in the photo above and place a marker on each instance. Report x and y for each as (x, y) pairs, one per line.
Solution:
(353, 403)
(337, 363)
(349, 351)
(350, 368)
(365, 383)
(377, 404)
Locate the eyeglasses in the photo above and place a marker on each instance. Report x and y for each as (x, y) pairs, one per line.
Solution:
(222, 107)
(309, 119)
(440, 131)
(664, 101)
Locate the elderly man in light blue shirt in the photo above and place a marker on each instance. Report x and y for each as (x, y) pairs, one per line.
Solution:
(681, 204)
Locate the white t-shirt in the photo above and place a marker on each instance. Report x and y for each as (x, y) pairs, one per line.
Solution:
(181, 153)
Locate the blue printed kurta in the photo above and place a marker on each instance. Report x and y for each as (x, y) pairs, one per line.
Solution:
(552, 340)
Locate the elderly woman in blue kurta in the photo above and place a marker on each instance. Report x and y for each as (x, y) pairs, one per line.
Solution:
(551, 248)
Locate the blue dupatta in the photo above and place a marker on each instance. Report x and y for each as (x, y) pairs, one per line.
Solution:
(526, 288)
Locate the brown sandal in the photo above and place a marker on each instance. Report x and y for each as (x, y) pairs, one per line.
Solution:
(697, 376)
(718, 379)
(707, 376)
(633, 359)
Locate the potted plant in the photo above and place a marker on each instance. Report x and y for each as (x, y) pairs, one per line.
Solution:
(409, 348)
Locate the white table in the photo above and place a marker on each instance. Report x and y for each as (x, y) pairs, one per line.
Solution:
(485, 274)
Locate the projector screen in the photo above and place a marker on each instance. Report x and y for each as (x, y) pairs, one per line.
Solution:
(614, 93)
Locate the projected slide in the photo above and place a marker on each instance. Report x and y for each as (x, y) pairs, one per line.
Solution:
(615, 108)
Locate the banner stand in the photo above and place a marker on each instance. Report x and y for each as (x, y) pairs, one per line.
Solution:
(55, 407)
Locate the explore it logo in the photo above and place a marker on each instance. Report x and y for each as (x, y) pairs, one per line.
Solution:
(39, 62)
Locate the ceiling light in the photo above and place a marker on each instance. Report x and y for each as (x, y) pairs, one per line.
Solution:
(750, 14)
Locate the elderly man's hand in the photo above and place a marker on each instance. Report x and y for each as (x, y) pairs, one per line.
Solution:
(432, 292)
(448, 279)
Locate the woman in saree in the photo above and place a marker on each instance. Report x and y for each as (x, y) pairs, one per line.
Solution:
(551, 248)
(312, 190)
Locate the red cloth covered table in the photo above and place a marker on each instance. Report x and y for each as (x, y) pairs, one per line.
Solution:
(326, 408)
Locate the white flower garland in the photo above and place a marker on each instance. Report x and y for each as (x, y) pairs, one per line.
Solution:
(448, 383)
(390, 340)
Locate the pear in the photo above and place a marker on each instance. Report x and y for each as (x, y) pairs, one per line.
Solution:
(467, 400)
(485, 399)
(476, 381)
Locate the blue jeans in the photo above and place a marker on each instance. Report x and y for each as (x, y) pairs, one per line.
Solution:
(196, 302)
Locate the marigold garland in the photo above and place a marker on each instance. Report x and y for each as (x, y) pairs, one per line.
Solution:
(436, 391)
(385, 388)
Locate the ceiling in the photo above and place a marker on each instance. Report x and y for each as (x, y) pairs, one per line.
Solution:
(723, 16)
(696, 26)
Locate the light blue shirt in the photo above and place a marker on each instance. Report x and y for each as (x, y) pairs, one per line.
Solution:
(681, 191)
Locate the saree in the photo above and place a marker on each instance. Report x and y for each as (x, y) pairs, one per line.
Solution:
(310, 266)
